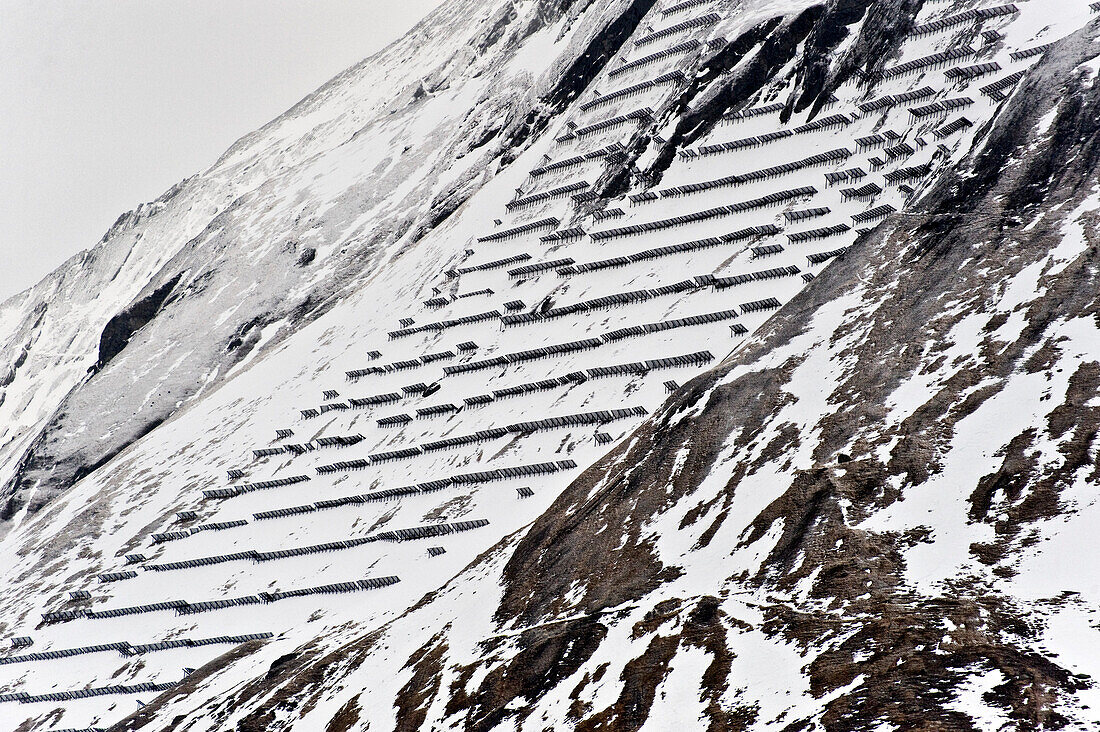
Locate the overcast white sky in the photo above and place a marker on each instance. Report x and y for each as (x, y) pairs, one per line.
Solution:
(105, 104)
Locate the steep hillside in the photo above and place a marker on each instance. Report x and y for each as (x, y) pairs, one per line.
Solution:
(288, 221)
(705, 364)
(862, 521)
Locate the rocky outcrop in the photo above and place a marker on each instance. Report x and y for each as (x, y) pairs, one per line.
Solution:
(116, 334)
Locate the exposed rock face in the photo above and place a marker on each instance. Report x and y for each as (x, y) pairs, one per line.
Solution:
(865, 487)
(116, 334)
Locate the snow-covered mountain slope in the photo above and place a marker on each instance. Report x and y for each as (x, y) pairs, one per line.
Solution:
(869, 518)
(457, 496)
(289, 219)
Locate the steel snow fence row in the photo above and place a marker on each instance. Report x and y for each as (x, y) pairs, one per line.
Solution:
(301, 551)
(684, 47)
(824, 123)
(266, 451)
(697, 216)
(684, 5)
(201, 561)
(821, 233)
(442, 325)
(121, 647)
(549, 222)
(164, 536)
(642, 367)
(390, 455)
(896, 100)
(966, 73)
(557, 165)
(547, 195)
(281, 512)
(207, 605)
(338, 587)
(670, 249)
(495, 264)
(475, 366)
(522, 356)
(599, 303)
(338, 440)
(521, 471)
(874, 140)
(575, 420)
(766, 251)
(376, 400)
(633, 89)
(769, 303)
(57, 696)
(573, 232)
(435, 410)
(250, 487)
(871, 214)
(475, 293)
(909, 173)
(702, 20)
(950, 128)
(996, 89)
(432, 530)
(868, 190)
(533, 386)
(218, 525)
(978, 14)
(642, 115)
(825, 158)
(942, 106)
(135, 609)
(832, 121)
(663, 325)
(931, 61)
(819, 257)
(1030, 52)
(805, 213)
(735, 145)
(529, 269)
(389, 494)
(127, 649)
(437, 356)
(345, 466)
(744, 114)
